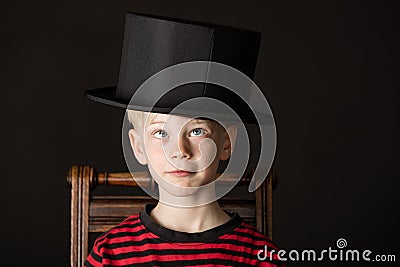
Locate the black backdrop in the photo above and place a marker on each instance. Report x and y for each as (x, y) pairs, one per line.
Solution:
(328, 68)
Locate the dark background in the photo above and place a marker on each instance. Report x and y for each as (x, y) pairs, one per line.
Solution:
(329, 70)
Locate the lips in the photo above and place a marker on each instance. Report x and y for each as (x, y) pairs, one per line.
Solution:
(180, 173)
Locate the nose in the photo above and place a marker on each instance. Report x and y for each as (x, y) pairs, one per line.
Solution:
(181, 149)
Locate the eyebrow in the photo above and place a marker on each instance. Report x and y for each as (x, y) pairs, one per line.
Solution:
(200, 121)
(155, 122)
(193, 121)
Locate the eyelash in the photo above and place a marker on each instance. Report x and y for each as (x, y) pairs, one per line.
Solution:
(159, 131)
(204, 131)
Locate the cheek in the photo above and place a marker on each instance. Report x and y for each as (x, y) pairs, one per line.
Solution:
(215, 148)
(154, 152)
(213, 157)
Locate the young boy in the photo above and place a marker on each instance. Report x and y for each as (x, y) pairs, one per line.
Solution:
(187, 227)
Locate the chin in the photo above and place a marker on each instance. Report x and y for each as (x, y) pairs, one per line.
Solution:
(177, 191)
(180, 187)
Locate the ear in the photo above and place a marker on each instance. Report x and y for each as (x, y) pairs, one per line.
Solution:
(137, 146)
(229, 141)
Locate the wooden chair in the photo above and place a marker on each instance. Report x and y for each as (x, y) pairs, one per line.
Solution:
(97, 213)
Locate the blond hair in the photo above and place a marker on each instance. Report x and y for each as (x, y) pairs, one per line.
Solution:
(137, 118)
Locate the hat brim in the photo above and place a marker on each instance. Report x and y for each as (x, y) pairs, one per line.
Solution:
(107, 96)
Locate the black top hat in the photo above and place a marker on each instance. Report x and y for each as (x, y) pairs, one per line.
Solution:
(153, 43)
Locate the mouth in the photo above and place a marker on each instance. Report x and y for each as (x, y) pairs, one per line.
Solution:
(180, 173)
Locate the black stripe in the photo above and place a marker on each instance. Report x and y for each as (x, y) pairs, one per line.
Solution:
(193, 262)
(159, 241)
(174, 252)
(100, 238)
(128, 233)
(131, 243)
(135, 243)
(123, 225)
(246, 226)
(107, 233)
(144, 231)
(188, 252)
(241, 244)
(96, 256)
(111, 235)
(166, 236)
(252, 237)
(87, 264)
(152, 240)
(132, 218)
(182, 237)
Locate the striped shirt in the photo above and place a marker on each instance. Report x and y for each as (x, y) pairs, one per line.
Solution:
(139, 241)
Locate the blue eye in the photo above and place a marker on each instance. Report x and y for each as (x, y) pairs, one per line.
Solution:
(198, 132)
(160, 134)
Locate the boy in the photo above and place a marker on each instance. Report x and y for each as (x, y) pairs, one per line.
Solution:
(187, 227)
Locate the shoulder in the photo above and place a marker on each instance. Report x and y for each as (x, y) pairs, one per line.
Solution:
(254, 236)
(113, 241)
(257, 244)
(129, 229)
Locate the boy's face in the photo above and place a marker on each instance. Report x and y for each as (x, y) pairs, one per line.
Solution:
(183, 152)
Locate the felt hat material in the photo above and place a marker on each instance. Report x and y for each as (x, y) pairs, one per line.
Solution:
(153, 43)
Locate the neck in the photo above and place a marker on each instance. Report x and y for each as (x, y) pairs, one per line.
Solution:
(191, 219)
(187, 196)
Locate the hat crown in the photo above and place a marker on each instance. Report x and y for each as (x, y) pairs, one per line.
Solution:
(153, 43)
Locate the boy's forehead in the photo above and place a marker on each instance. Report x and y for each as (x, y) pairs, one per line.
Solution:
(165, 117)
(159, 117)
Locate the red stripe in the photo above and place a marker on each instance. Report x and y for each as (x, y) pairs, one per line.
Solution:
(131, 220)
(92, 261)
(149, 258)
(126, 229)
(251, 230)
(116, 240)
(106, 238)
(176, 247)
(244, 239)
